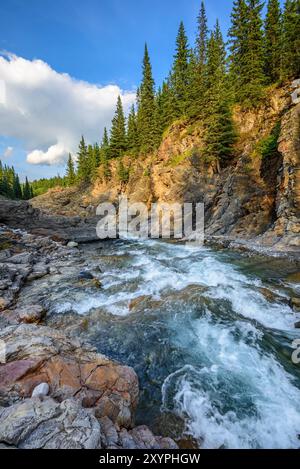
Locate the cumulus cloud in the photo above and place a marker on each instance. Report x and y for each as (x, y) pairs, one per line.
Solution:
(49, 111)
(8, 152)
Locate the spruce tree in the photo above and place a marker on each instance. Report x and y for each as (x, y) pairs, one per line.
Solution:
(83, 167)
(291, 40)
(26, 190)
(146, 116)
(179, 77)
(132, 133)
(220, 135)
(17, 190)
(247, 51)
(70, 173)
(118, 142)
(272, 41)
(123, 172)
(164, 107)
(104, 155)
(202, 36)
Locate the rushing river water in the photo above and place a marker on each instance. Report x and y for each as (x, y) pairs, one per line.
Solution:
(208, 332)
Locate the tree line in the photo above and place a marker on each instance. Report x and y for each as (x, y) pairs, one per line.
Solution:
(10, 185)
(204, 82)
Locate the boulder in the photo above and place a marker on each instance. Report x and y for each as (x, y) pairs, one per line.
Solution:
(36, 354)
(30, 314)
(22, 258)
(85, 275)
(295, 303)
(41, 390)
(72, 244)
(35, 423)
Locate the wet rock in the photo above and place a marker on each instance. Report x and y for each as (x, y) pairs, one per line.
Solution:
(30, 314)
(5, 254)
(135, 302)
(295, 303)
(297, 325)
(85, 275)
(4, 303)
(271, 296)
(39, 271)
(22, 258)
(72, 244)
(41, 390)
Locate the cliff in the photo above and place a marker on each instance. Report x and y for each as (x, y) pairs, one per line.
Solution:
(255, 196)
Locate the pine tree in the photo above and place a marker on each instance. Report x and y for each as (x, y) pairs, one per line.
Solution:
(220, 134)
(179, 77)
(246, 51)
(164, 108)
(118, 142)
(104, 155)
(197, 67)
(70, 173)
(83, 168)
(26, 190)
(291, 40)
(272, 41)
(17, 190)
(146, 116)
(132, 133)
(202, 37)
(123, 172)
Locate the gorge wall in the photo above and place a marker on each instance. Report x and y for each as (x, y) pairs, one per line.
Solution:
(256, 195)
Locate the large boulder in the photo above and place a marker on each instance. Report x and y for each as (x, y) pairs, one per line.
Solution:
(36, 354)
(44, 423)
(35, 423)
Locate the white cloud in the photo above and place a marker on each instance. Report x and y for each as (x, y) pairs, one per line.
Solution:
(49, 111)
(8, 152)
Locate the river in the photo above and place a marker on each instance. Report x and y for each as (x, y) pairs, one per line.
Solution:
(209, 333)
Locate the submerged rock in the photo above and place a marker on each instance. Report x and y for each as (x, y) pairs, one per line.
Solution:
(85, 275)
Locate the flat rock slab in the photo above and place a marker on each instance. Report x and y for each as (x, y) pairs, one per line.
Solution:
(38, 354)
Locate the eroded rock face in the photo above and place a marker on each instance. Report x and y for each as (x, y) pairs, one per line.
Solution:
(44, 423)
(36, 354)
(249, 197)
(35, 423)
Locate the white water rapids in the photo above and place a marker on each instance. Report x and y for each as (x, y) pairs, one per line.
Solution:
(207, 344)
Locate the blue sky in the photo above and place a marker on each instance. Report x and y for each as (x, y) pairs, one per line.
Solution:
(97, 41)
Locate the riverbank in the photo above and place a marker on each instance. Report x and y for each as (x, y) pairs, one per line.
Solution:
(67, 394)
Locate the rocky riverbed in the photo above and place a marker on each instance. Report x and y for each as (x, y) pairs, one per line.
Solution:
(56, 391)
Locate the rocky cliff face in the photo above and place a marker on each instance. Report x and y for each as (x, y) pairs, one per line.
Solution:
(255, 196)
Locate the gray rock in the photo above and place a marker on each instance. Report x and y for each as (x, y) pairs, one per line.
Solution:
(296, 83)
(30, 314)
(72, 244)
(5, 254)
(109, 431)
(22, 258)
(296, 96)
(35, 423)
(85, 275)
(295, 303)
(40, 390)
